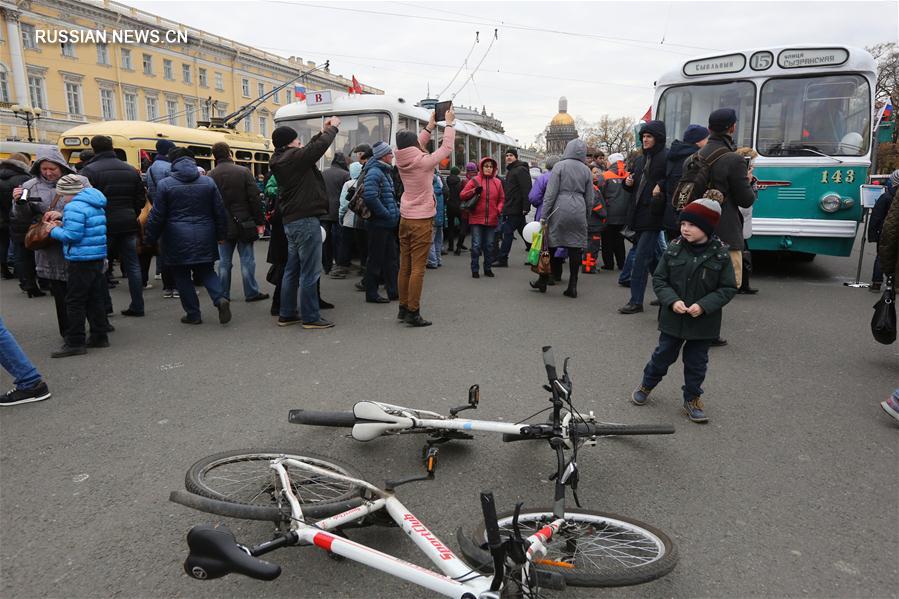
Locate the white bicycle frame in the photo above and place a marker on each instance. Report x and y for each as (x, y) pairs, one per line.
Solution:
(379, 422)
(458, 579)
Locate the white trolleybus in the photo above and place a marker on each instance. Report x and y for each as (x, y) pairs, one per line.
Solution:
(366, 119)
(807, 110)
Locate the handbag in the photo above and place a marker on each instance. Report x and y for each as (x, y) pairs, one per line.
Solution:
(274, 274)
(628, 233)
(543, 266)
(38, 235)
(469, 205)
(246, 230)
(883, 323)
(536, 245)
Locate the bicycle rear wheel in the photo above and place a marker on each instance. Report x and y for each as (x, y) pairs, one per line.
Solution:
(245, 478)
(593, 549)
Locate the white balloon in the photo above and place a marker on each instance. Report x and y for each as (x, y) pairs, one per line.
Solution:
(324, 233)
(530, 230)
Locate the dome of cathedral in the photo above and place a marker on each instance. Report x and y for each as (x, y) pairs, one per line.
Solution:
(562, 119)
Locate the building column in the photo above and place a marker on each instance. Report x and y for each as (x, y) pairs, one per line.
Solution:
(18, 60)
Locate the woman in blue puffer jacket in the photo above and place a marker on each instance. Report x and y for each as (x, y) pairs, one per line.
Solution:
(436, 251)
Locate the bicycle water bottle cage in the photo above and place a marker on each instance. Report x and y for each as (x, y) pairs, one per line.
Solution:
(214, 552)
(378, 421)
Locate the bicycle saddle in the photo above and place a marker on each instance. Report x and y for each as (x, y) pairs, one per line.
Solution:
(378, 421)
(214, 552)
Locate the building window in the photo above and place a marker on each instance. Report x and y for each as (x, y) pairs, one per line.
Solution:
(131, 107)
(261, 89)
(247, 125)
(36, 91)
(28, 36)
(107, 104)
(126, 59)
(148, 64)
(68, 49)
(201, 75)
(4, 85)
(204, 112)
(171, 109)
(245, 87)
(288, 98)
(219, 82)
(152, 108)
(190, 114)
(167, 69)
(263, 126)
(275, 97)
(73, 98)
(185, 73)
(220, 112)
(102, 54)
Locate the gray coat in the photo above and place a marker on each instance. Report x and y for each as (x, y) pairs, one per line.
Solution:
(49, 262)
(568, 198)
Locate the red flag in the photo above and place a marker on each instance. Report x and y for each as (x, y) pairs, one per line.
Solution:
(357, 87)
(648, 115)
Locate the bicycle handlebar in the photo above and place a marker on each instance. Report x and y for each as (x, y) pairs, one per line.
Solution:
(549, 361)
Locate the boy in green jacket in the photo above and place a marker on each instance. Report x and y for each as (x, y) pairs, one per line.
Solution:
(694, 280)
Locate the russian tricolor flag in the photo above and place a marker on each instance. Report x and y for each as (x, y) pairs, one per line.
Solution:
(299, 92)
(887, 111)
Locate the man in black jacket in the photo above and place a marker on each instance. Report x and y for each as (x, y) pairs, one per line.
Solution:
(335, 176)
(243, 206)
(125, 198)
(695, 138)
(14, 172)
(517, 186)
(303, 202)
(646, 210)
(729, 175)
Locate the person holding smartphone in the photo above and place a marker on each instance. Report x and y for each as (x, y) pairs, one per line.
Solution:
(418, 208)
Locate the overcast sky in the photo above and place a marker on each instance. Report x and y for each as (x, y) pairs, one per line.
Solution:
(603, 56)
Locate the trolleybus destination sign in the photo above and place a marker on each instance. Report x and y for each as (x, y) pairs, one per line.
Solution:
(819, 57)
(732, 63)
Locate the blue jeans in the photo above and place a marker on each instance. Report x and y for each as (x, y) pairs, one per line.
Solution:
(15, 362)
(510, 224)
(185, 285)
(436, 246)
(625, 275)
(124, 246)
(247, 267)
(646, 256)
(303, 269)
(482, 237)
(696, 361)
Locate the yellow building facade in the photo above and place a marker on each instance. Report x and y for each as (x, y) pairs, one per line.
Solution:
(77, 62)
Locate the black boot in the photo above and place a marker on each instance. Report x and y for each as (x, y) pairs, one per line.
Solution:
(539, 284)
(571, 291)
(403, 312)
(745, 289)
(413, 318)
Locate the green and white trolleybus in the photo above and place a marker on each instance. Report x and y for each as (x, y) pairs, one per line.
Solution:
(807, 111)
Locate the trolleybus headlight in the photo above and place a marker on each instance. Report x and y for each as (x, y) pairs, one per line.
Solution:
(847, 203)
(830, 203)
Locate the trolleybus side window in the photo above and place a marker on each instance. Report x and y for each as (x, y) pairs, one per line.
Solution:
(459, 154)
(358, 129)
(682, 105)
(802, 116)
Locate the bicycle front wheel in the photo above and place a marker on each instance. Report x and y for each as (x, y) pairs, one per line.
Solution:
(244, 477)
(592, 549)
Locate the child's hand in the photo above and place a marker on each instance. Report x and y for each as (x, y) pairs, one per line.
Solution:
(679, 307)
(695, 310)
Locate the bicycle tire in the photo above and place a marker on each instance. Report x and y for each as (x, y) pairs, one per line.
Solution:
(317, 418)
(652, 553)
(244, 478)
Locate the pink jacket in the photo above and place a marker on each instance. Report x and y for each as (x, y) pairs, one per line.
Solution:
(417, 172)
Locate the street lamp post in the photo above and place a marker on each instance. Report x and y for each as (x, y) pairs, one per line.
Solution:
(27, 114)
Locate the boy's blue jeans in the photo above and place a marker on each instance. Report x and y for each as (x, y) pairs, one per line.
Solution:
(15, 362)
(696, 361)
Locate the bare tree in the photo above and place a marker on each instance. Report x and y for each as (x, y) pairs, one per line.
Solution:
(607, 134)
(887, 56)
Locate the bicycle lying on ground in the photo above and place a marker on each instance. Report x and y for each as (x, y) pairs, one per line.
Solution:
(317, 499)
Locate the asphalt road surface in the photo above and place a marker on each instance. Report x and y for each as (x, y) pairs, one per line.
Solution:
(790, 491)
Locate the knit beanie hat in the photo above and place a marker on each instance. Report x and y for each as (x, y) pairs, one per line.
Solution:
(163, 146)
(363, 149)
(381, 149)
(406, 139)
(70, 185)
(512, 151)
(894, 178)
(454, 170)
(283, 135)
(695, 134)
(704, 213)
(471, 167)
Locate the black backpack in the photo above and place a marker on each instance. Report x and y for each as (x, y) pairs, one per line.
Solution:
(695, 179)
(356, 193)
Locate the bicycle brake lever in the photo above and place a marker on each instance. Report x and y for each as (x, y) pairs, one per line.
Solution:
(515, 548)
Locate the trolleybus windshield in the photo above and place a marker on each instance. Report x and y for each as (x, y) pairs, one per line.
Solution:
(354, 129)
(685, 104)
(809, 116)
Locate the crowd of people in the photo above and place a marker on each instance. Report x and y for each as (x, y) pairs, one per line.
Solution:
(685, 209)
